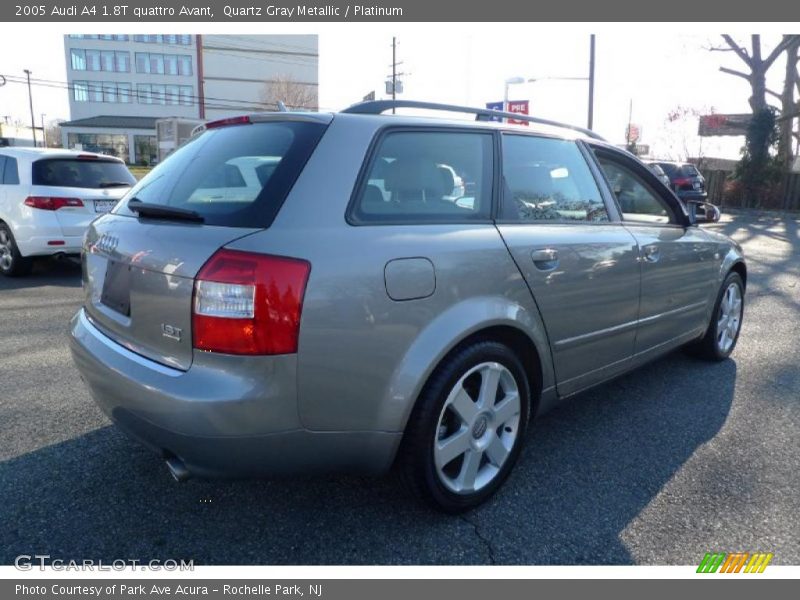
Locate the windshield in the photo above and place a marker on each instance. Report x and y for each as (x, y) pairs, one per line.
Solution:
(90, 173)
(235, 176)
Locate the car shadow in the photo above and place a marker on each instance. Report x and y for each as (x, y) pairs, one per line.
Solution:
(587, 470)
(46, 272)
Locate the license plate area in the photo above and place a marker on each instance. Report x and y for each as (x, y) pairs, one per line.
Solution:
(117, 288)
(103, 206)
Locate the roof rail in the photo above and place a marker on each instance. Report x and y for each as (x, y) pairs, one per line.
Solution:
(377, 107)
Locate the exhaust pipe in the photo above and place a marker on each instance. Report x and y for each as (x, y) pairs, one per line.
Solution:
(177, 469)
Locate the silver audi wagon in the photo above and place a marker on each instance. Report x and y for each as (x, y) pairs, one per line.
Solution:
(305, 292)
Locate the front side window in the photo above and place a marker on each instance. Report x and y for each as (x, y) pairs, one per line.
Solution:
(548, 179)
(423, 176)
(637, 200)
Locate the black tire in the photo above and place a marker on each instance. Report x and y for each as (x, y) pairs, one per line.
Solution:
(708, 347)
(416, 462)
(12, 263)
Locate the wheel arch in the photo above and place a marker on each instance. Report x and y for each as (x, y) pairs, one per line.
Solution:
(502, 321)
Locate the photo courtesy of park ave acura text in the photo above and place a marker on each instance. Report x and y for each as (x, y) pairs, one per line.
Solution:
(296, 295)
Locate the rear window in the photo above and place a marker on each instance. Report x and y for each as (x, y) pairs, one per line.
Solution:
(669, 168)
(81, 173)
(235, 176)
(689, 171)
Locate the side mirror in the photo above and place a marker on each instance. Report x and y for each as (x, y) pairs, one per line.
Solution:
(703, 212)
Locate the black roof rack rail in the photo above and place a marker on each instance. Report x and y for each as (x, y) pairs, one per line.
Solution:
(377, 107)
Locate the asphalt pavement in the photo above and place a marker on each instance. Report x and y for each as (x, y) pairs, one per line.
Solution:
(660, 466)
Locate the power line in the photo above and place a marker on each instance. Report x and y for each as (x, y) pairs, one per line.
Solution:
(230, 103)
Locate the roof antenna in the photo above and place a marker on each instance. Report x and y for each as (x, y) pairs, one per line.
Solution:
(282, 106)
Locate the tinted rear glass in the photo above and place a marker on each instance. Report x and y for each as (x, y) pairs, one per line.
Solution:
(81, 173)
(669, 168)
(689, 171)
(235, 176)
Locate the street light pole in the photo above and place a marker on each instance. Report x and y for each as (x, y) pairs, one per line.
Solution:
(510, 81)
(30, 101)
(590, 118)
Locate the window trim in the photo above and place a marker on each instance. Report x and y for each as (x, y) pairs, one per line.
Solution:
(614, 215)
(372, 154)
(650, 179)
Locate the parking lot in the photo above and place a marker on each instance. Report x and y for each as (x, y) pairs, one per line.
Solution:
(658, 467)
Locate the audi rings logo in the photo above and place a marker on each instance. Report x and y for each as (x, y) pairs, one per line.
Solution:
(106, 244)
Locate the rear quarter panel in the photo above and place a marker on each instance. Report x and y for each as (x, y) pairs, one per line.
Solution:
(363, 357)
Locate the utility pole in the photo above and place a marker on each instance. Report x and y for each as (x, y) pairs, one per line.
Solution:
(44, 133)
(30, 101)
(394, 70)
(590, 119)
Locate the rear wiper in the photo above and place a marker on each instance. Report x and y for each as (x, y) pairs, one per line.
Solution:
(159, 211)
(109, 184)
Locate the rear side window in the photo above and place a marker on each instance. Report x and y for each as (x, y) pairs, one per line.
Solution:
(81, 173)
(427, 176)
(548, 180)
(9, 171)
(234, 176)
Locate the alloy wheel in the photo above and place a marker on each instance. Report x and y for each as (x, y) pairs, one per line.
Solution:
(730, 317)
(477, 428)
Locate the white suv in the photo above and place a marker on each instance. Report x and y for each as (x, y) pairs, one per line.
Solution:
(49, 197)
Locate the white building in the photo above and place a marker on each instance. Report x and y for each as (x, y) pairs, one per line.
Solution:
(120, 84)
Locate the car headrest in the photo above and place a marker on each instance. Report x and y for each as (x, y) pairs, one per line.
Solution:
(448, 180)
(373, 195)
(408, 177)
(529, 181)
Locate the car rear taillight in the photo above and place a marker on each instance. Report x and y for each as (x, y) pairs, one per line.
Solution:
(249, 303)
(243, 120)
(52, 202)
(683, 181)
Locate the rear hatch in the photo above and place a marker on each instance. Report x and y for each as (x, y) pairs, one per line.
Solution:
(82, 187)
(140, 261)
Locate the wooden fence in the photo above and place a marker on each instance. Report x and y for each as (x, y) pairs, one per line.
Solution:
(788, 197)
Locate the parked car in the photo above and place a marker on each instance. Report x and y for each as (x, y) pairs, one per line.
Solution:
(659, 172)
(350, 315)
(685, 180)
(48, 198)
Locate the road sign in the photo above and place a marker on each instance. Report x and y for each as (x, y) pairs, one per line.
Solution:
(633, 133)
(520, 107)
(735, 124)
(495, 106)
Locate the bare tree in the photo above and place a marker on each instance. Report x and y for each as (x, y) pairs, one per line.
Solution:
(53, 129)
(757, 66)
(790, 109)
(293, 94)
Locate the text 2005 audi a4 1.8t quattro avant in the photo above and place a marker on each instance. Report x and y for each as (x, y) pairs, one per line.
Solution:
(305, 292)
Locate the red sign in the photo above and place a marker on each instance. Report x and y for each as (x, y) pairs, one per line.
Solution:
(521, 108)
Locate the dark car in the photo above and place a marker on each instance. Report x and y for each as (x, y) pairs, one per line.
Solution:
(685, 180)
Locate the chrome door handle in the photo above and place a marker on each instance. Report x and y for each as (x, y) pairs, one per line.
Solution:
(651, 253)
(545, 259)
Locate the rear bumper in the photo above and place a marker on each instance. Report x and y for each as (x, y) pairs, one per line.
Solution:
(38, 246)
(225, 416)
